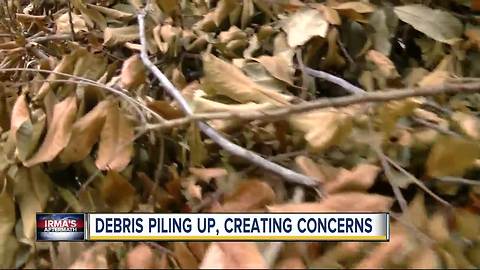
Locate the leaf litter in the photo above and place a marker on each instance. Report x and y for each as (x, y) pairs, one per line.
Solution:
(78, 111)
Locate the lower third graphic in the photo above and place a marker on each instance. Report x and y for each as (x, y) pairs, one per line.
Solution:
(60, 227)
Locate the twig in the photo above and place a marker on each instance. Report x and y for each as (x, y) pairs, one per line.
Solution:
(389, 174)
(230, 147)
(279, 113)
(329, 77)
(435, 127)
(70, 20)
(50, 38)
(417, 182)
(452, 179)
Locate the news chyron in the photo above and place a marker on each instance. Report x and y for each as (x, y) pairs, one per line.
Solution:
(213, 227)
(60, 227)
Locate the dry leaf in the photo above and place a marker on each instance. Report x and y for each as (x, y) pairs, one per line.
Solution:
(116, 141)
(277, 66)
(451, 156)
(58, 133)
(63, 23)
(236, 85)
(385, 252)
(303, 25)
(221, 255)
(468, 123)
(206, 174)
(94, 257)
(117, 192)
(357, 6)
(8, 245)
(140, 257)
(361, 177)
(223, 10)
(184, 256)
(165, 109)
(383, 63)
(323, 128)
(85, 133)
(328, 13)
(340, 202)
(437, 24)
(32, 191)
(310, 168)
(249, 195)
(115, 36)
(20, 114)
(291, 263)
(133, 72)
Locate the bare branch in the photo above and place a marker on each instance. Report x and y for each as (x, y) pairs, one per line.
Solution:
(328, 77)
(365, 97)
(230, 147)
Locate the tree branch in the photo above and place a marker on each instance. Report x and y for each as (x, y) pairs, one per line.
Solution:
(230, 147)
(365, 97)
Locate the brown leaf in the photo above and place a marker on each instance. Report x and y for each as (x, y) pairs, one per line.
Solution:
(451, 156)
(133, 72)
(291, 263)
(323, 128)
(140, 257)
(277, 66)
(184, 256)
(64, 26)
(224, 8)
(340, 202)
(310, 168)
(303, 25)
(20, 114)
(468, 123)
(117, 192)
(94, 257)
(360, 178)
(233, 255)
(206, 174)
(357, 6)
(120, 35)
(249, 195)
(237, 85)
(116, 141)
(384, 252)
(383, 63)
(58, 133)
(85, 133)
(165, 109)
(32, 190)
(66, 65)
(8, 245)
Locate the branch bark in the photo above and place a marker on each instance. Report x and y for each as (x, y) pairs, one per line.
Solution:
(230, 147)
(364, 97)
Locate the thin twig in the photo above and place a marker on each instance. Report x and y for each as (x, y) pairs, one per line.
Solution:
(230, 147)
(366, 97)
(50, 38)
(452, 179)
(70, 20)
(329, 77)
(417, 182)
(435, 127)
